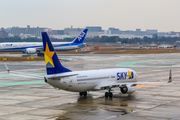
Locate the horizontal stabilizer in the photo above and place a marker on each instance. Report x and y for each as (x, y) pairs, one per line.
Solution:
(62, 75)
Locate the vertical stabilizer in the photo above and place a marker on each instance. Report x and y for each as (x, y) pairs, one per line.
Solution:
(53, 65)
(81, 37)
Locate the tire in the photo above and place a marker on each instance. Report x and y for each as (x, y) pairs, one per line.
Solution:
(106, 95)
(85, 93)
(42, 54)
(110, 95)
(80, 93)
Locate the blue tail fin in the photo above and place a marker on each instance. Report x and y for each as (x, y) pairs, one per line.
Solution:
(53, 65)
(81, 37)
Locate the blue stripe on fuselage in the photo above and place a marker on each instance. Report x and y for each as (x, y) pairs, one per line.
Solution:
(24, 48)
(70, 44)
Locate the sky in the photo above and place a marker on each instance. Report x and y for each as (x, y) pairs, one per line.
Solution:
(123, 14)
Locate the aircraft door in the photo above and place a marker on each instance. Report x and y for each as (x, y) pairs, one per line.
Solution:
(70, 81)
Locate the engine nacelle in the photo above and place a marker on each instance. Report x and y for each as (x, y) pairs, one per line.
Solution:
(30, 51)
(128, 89)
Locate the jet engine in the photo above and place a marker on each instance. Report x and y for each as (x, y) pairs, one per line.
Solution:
(30, 51)
(128, 89)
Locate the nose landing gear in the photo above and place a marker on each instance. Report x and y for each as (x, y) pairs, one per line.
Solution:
(83, 93)
(109, 94)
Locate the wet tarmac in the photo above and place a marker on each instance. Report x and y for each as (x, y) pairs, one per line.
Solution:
(26, 99)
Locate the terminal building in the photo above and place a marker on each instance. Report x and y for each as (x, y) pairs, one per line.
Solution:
(130, 34)
(72, 31)
(93, 31)
(16, 31)
(66, 33)
(3, 33)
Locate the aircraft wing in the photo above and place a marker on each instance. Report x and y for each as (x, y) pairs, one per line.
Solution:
(56, 76)
(62, 75)
(125, 84)
(131, 83)
(26, 75)
(23, 75)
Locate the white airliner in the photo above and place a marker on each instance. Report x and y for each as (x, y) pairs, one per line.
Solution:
(37, 47)
(83, 81)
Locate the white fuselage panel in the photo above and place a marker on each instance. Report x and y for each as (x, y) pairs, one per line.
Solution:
(89, 80)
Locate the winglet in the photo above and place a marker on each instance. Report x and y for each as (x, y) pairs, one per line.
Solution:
(170, 77)
(7, 68)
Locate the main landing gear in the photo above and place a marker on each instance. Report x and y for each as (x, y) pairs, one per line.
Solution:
(109, 93)
(83, 93)
(40, 54)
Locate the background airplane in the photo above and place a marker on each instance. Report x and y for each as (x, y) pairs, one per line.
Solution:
(89, 80)
(37, 47)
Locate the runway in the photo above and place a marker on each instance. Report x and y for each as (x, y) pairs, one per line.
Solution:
(24, 98)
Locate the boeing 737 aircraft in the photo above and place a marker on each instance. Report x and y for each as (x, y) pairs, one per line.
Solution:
(82, 81)
(37, 47)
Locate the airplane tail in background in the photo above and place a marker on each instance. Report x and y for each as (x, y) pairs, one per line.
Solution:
(81, 37)
(53, 65)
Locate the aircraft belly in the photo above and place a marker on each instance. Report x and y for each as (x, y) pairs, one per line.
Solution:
(127, 80)
(82, 87)
(74, 88)
(11, 50)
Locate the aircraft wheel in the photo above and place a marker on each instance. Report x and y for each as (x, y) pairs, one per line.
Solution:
(41, 54)
(85, 93)
(110, 95)
(106, 94)
(80, 93)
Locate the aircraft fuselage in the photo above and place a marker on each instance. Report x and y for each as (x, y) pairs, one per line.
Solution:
(91, 80)
(22, 46)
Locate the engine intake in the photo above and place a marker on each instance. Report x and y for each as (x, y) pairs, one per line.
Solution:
(128, 89)
(30, 51)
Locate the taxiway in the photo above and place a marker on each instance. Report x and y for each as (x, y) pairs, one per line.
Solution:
(25, 98)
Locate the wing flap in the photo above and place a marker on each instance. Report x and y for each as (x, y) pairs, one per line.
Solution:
(125, 84)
